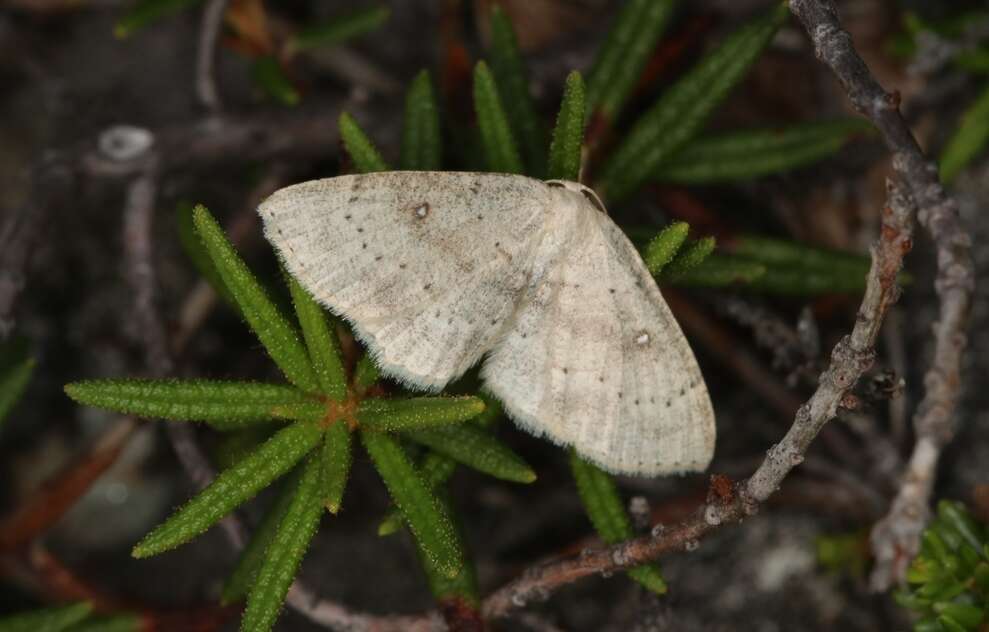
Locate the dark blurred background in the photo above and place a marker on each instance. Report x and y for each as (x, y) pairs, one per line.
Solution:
(67, 82)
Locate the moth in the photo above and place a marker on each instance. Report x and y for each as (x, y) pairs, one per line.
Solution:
(437, 271)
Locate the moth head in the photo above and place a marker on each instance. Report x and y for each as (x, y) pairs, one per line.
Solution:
(580, 189)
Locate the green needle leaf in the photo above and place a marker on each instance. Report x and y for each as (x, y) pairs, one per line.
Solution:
(16, 367)
(968, 140)
(459, 591)
(309, 411)
(284, 555)
(720, 271)
(499, 145)
(391, 523)
(619, 64)
(322, 342)
(664, 246)
(270, 77)
(804, 281)
(743, 155)
(107, 623)
(417, 412)
(959, 617)
(359, 147)
(224, 405)
(238, 585)
(780, 253)
(194, 249)
(953, 513)
(601, 500)
(475, 448)
(493, 411)
(426, 516)
(564, 151)
(231, 447)
(366, 373)
(339, 30)
(513, 83)
(605, 509)
(974, 61)
(436, 469)
(273, 329)
(336, 455)
(684, 108)
(936, 547)
(422, 143)
(766, 264)
(47, 620)
(649, 576)
(688, 258)
(232, 487)
(146, 12)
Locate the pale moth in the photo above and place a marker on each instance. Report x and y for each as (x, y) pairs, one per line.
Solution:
(437, 270)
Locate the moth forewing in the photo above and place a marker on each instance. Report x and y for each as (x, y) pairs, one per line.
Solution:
(436, 269)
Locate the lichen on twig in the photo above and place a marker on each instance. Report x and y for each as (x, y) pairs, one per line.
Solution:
(896, 538)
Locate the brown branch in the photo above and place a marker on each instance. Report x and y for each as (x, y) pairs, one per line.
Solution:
(209, 29)
(144, 323)
(794, 349)
(150, 331)
(851, 357)
(42, 572)
(337, 617)
(307, 131)
(354, 68)
(59, 493)
(896, 538)
(200, 471)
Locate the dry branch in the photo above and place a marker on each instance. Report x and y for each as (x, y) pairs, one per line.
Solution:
(145, 322)
(209, 30)
(308, 131)
(336, 617)
(727, 503)
(896, 538)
